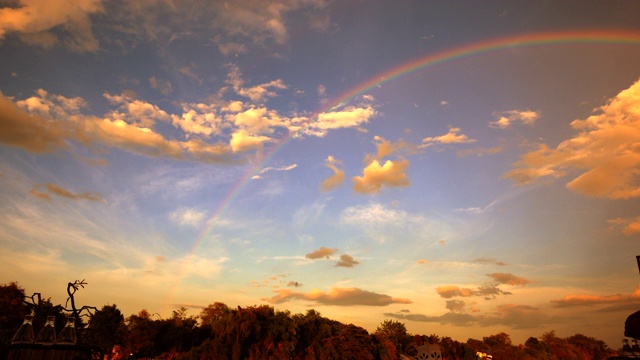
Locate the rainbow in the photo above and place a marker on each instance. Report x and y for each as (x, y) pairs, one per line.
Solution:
(591, 37)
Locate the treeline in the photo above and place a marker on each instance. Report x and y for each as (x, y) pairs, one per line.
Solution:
(261, 332)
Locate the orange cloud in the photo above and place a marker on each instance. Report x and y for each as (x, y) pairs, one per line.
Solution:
(450, 291)
(62, 192)
(33, 20)
(629, 226)
(347, 261)
(338, 175)
(30, 132)
(605, 152)
(509, 279)
(338, 297)
(323, 252)
(452, 137)
(592, 300)
(375, 176)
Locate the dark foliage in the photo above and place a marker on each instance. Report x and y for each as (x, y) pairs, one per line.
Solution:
(261, 332)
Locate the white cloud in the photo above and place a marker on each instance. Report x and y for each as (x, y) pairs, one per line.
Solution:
(509, 117)
(452, 137)
(187, 217)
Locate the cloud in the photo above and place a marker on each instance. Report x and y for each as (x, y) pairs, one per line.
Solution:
(242, 141)
(62, 192)
(516, 316)
(375, 176)
(387, 148)
(452, 137)
(347, 118)
(164, 86)
(30, 132)
(388, 224)
(346, 261)
(455, 306)
(480, 151)
(338, 297)
(187, 217)
(32, 21)
(629, 226)
(508, 118)
(258, 21)
(338, 174)
(137, 112)
(604, 152)
(451, 318)
(323, 252)
(271, 168)
(488, 291)
(509, 279)
(256, 93)
(490, 261)
(596, 300)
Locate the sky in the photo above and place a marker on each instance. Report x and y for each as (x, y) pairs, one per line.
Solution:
(463, 169)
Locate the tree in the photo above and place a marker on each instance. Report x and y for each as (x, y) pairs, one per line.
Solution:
(396, 332)
(108, 328)
(12, 310)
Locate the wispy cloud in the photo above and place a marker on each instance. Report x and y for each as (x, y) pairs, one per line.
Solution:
(338, 174)
(62, 192)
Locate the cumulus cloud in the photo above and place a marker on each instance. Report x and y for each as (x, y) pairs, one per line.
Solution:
(133, 111)
(30, 132)
(347, 261)
(508, 118)
(56, 119)
(338, 174)
(242, 141)
(32, 21)
(605, 152)
(323, 252)
(508, 279)
(62, 192)
(375, 176)
(338, 297)
(452, 137)
(348, 117)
